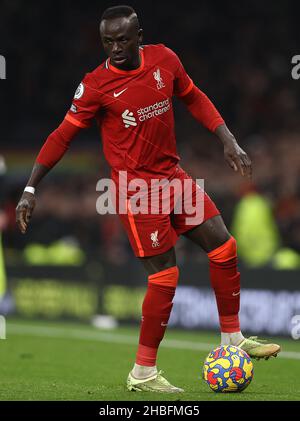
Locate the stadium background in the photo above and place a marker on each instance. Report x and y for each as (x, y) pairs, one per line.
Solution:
(75, 264)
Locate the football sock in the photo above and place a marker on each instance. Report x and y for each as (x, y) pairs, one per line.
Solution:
(143, 372)
(225, 280)
(156, 312)
(234, 338)
(225, 338)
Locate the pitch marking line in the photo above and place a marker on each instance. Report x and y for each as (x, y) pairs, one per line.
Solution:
(55, 332)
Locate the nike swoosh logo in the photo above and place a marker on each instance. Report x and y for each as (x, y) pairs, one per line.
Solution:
(235, 294)
(119, 93)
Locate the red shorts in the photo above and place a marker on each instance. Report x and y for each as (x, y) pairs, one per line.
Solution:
(155, 233)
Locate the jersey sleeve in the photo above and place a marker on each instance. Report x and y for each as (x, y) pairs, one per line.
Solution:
(86, 103)
(202, 109)
(183, 84)
(57, 144)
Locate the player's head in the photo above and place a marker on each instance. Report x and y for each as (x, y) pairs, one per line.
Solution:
(121, 36)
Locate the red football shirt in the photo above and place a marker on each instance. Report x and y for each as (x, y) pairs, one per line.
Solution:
(134, 111)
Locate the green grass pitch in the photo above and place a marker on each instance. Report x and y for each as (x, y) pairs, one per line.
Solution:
(68, 361)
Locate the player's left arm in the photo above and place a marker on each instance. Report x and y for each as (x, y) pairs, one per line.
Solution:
(206, 113)
(234, 155)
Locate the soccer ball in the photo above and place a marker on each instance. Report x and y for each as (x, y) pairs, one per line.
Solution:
(228, 369)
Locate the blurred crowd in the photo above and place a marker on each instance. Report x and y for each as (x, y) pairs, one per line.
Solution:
(239, 53)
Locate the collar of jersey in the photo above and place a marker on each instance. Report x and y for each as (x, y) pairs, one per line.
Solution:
(129, 72)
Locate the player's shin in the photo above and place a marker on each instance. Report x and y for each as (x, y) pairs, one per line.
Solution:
(225, 280)
(156, 312)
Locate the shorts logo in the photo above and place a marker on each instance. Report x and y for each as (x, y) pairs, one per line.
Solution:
(73, 108)
(155, 242)
(79, 91)
(128, 119)
(158, 78)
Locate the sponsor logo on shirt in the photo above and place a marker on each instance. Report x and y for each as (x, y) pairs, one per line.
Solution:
(128, 119)
(146, 113)
(160, 84)
(154, 110)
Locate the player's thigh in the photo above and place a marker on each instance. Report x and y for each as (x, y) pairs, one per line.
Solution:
(154, 264)
(209, 235)
(149, 234)
(201, 222)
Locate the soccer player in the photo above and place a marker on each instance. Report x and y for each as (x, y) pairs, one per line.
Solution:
(130, 96)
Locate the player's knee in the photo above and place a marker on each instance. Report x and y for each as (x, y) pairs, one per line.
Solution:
(225, 252)
(168, 277)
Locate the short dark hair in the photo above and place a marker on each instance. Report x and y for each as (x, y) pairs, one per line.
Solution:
(117, 12)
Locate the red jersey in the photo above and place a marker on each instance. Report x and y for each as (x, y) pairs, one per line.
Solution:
(134, 111)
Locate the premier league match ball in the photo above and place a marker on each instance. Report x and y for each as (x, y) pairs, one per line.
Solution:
(228, 369)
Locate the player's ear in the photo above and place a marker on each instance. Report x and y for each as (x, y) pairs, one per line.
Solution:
(140, 36)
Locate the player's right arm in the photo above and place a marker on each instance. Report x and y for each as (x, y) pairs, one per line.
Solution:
(84, 107)
(52, 151)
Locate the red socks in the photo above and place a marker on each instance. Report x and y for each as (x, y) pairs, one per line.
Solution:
(225, 280)
(156, 312)
(157, 305)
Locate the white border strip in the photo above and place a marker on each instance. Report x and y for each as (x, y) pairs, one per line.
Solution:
(63, 333)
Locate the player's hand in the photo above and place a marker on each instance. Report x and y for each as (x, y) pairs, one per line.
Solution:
(234, 155)
(237, 158)
(24, 211)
